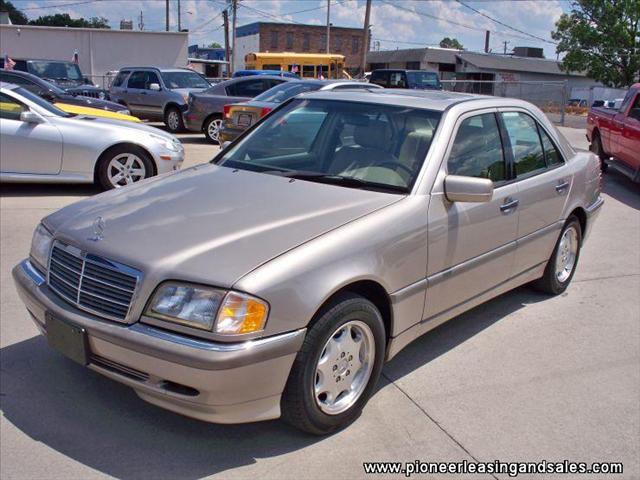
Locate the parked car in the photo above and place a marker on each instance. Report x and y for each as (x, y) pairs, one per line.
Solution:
(614, 134)
(276, 280)
(277, 73)
(64, 74)
(205, 109)
(240, 116)
(158, 94)
(415, 79)
(78, 104)
(41, 143)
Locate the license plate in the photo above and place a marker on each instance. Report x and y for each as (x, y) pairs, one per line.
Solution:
(68, 339)
(244, 119)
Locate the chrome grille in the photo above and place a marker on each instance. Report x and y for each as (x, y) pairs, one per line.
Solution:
(92, 283)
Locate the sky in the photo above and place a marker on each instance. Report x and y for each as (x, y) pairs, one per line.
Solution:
(395, 23)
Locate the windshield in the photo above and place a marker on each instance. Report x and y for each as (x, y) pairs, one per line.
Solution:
(42, 103)
(55, 70)
(184, 80)
(285, 91)
(357, 145)
(423, 80)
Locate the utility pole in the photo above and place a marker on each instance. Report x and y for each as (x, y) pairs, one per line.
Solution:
(365, 37)
(141, 22)
(166, 13)
(227, 50)
(328, 26)
(234, 6)
(505, 46)
(179, 23)
(487, 36)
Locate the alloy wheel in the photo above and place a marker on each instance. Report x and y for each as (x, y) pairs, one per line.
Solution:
(567, 254)
(125, 169)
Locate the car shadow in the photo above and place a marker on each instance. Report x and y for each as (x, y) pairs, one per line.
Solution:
(621, 188)
(47, 190)
(105, 426)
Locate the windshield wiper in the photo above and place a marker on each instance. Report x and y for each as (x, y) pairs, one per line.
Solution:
(342, 180)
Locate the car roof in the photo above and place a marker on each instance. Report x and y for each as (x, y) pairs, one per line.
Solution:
(21, 73)
(429, 99)
(161, 69)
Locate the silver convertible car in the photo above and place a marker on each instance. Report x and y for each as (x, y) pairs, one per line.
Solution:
(41, 143)
(276, 280)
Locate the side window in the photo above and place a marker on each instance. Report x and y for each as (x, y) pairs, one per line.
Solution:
(136, 80)
(9, 108)
(249, 88)
(397, 80)
(379, 78)
(551, 152)
(477, 149)
(627, 100)
(119, 80)
(522, 133)
(152, 77)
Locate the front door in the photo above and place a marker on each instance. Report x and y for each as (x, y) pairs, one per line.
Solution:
(27, 147)
(471, 245)
(631, 136)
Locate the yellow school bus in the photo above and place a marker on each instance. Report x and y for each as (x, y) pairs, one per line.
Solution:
(307, 65)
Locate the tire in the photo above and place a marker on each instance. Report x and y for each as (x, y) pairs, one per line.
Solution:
(136, 165)
(211, 129)
(351, 319)
(554, 281)
(173, 120)
(596, 147)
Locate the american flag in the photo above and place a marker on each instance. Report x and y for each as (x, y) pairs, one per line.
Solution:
(8, 63)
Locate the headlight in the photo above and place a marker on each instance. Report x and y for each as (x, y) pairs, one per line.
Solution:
(166, 142)
(124, 112)
(203, 307)
(41, 246)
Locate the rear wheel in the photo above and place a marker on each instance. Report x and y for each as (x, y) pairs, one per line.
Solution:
(212, 129)
(123, 165)
(337, 368)
(562, 264)
(596, 147)
(173, 120)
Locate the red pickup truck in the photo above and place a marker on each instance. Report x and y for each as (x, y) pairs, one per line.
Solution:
(615, 134)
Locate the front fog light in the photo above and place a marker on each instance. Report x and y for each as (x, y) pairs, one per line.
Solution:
(241, 313)
(41, 246)
(190, 305)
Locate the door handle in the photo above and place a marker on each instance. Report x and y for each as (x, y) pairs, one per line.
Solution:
(562, 187)
(509, 205)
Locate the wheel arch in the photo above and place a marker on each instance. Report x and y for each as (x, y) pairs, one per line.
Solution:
(168, 105)
(581, 215)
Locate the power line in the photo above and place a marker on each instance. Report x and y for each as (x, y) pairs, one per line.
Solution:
(504, 24)
(60, 5)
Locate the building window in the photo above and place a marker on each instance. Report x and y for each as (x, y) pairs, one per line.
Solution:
(412, 66)
(289, 40)
(355, 44)
(338, 44)
(305, 42)
(274, 40)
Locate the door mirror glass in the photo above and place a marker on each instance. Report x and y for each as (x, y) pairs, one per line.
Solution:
(155, 87)
(468, 189)
(30, 117)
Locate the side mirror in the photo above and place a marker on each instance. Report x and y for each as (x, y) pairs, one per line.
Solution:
(155, 87)
(47, 95)
(30, 117)
(467, 189)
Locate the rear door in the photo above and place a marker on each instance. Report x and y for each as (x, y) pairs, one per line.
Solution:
(27, 147)
(544, 182)
(630, 138)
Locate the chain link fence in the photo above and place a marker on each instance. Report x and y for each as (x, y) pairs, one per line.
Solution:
(551, 97)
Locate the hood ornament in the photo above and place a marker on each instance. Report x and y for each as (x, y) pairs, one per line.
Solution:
(98, 230)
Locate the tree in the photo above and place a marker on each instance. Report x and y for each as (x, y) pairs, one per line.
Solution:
(601, 38)
(15, 15)
(214, 45)
(65, 20)
(447, 42)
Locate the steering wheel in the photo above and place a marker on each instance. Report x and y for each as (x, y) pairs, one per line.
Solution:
(394, 164)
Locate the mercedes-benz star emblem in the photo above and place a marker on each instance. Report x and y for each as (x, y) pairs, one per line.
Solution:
(98, 230)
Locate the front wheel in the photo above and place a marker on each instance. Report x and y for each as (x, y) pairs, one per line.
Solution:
(123, 165)
(337, 368)
(212, 129)
(564, 259)
(173, 120)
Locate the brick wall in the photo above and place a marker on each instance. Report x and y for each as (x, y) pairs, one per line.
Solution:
(312, 39)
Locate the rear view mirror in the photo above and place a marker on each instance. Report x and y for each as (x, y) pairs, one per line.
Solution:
(30, 117)
(467, 189)
(155, 87)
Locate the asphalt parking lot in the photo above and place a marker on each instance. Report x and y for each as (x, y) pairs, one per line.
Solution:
(524, 377)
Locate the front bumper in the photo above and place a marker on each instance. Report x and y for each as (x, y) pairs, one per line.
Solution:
(228, 134)
(168, 160)
(211, 381)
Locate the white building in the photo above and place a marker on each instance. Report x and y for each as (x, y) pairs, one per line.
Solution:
(99, 50)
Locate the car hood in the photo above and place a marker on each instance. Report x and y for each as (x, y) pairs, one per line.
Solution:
(210, 224)
(187, 91)
(107, 124)
(92, 102)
